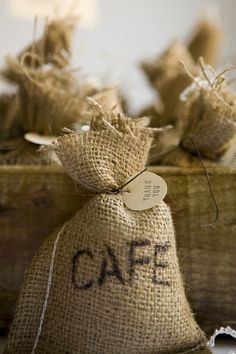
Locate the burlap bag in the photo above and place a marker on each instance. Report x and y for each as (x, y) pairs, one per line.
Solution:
(210, 115)
(177, 157)
(206, 40)
(21, 152)
(47, 100)
(205, 124)
(9, 107)
(107, 282)
(169, 78)
(167, 151)
(48, 97)
(214, 129)
(107, 97)
(53, 48)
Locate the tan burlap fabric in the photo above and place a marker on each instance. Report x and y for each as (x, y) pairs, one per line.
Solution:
(213, 128)
(205, 124)
(48, 101)
(21, 152)
(53, 48)
(48, 98)
(9, 124)
(116, 286)
(178, 157)
(206, 40)
(169, 78)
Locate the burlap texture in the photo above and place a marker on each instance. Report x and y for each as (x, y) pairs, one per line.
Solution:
(9, 108)
(116, 285)
(21, 152)
(205, 125)
(109, 99)
(213, 128)
(48, 98)
(53, 48)
(178, 157)
(47, 101)
(206, 40)
(169, 78)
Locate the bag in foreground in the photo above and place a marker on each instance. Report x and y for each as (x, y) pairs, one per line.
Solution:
(108, 282)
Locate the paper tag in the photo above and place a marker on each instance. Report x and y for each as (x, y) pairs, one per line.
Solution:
(39, 139)
(145, 191)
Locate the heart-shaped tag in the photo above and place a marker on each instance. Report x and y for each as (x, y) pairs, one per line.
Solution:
(145, 191)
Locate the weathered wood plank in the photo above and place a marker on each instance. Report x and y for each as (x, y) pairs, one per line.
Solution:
(34, 200)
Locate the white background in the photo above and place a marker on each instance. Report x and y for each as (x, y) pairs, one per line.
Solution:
(124, 32)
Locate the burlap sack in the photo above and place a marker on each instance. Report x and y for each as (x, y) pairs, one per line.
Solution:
(21, 152)
(167, 151)
(48, 97)
(107, 282)
(46, 102)
(177, 157)
(53, 48)
(9, 124)
(169, 78)
(212, 126)
(49, 100)
(205, 124)
(206, 40)
(107, 97)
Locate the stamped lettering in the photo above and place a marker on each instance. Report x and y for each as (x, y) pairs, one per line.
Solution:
(75, 265)
(133, 261)
(107, 267)
(115, 270)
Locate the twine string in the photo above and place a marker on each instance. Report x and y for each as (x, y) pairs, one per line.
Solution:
(47, 294)
(209, 184)
(118, 190)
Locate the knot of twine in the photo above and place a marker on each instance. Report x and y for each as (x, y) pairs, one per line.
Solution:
(121, 188)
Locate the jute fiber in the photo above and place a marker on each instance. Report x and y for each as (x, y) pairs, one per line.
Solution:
(49, 98)
(9, 107)
(47, 101)
(169, 78)
(108, 97)
(54, 48)
(206, 40)
(46, 97)
(21, 152)
(214, 128)
(205, 124)
(115, 286)
(178, 157)
(210, 115)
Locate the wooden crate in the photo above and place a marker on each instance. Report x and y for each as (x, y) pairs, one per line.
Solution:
(36, 200)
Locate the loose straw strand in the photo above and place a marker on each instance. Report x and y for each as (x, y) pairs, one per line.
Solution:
(34, 39)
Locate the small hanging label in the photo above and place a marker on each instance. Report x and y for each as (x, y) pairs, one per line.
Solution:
(39, 139)
(145, 191)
